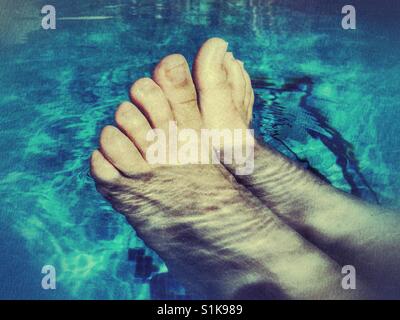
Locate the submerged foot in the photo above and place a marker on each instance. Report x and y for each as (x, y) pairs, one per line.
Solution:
(205, 226)
(343, 227)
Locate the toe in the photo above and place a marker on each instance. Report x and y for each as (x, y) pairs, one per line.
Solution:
(102, 170)
(172, 74)
(208, 66)
(214, 93)
(249, 96)
(134, 124)
(149, 97)
(121, 152)
(237, 83)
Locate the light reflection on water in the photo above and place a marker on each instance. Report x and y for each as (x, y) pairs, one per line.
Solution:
(325, 97)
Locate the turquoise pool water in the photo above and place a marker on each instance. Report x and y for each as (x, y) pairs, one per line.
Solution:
(326, 97)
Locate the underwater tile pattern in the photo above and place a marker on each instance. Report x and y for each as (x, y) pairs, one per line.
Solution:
(326, 97)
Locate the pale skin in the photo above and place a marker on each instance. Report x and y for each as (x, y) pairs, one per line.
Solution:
(277, 233)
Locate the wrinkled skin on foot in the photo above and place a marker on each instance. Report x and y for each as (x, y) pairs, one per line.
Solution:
(189, 214)
(217, 233)
(213, 234)
(345, 228)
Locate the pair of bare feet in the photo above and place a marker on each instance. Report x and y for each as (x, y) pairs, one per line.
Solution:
(276, 233)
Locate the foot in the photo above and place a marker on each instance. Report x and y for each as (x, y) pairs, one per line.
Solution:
(343, 227)
(206, 227)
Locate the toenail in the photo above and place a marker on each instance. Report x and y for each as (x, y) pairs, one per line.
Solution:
(173, 61)
(143, 87)
(177, 74)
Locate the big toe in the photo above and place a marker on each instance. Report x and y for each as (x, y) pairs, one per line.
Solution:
(237, 83)
(214, 92)
(208, 66)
